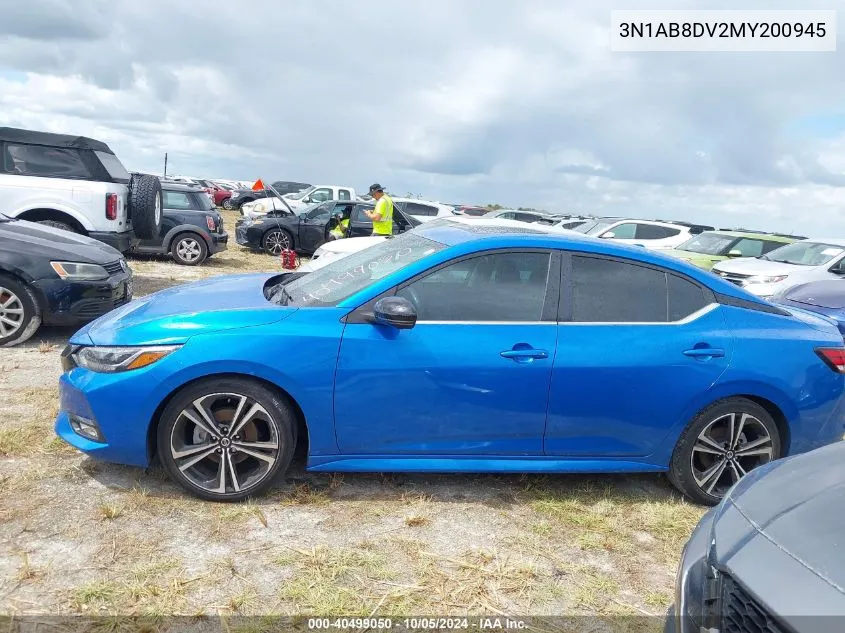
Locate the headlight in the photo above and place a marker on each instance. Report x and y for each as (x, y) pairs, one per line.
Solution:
(110, 360)
(763, 279)
(259, 206)
(74, 271)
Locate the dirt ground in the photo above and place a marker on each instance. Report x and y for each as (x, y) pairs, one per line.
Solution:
(82, 537)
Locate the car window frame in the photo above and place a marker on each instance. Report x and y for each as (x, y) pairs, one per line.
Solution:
(567, 289)
(551, 302)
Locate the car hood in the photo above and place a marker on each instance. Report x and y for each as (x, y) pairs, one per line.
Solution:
(176, 314)
(824, 294)
(35, 239)
(798, 505)
(754, 266)
(350, 244)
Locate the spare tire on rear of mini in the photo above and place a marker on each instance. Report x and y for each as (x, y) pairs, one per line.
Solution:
(145, 205)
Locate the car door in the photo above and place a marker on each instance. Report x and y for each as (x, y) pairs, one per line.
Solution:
(470, 378)
(360, 225)
(312, 226)
(638, 348)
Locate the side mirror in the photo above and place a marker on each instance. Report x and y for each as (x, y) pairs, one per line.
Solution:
(839, 269)
(734, 253)
(397, 312)
(608, 236)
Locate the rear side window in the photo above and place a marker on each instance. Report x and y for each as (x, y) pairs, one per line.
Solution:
(177, 200)
(425, 210)
(652, 232)
(615, 291)
(46, 162)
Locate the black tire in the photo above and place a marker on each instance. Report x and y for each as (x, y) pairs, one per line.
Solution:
(228, 204)
(145, 206)
(20, 314)
(64, 226)
(275, 422)
(189, 249)
(714, 441)
(276, 240)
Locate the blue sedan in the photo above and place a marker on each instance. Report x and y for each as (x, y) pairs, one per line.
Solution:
(461, 346)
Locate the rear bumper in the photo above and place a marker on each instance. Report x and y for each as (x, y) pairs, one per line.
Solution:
(217, 242)
(75, 302)
(121, 241)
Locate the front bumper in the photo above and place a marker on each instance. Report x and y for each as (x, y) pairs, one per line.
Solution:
(74, 302)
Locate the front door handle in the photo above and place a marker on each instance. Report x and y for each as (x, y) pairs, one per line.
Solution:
(525, 354)
(705, 352)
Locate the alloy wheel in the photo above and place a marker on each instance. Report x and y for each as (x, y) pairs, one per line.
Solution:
(11, 312)
(727, 449)
(188, 250)
(225, 443)
(276, 242)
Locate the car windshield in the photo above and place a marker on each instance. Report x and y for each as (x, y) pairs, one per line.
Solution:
(344, 277)
(306, 210)
(113, 166)
(594, 228)
(708, 244)
(301, 194)
(804, 253)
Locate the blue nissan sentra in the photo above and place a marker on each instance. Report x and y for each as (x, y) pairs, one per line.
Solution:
(460, 346)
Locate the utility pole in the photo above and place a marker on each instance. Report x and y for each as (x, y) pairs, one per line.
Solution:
(165, 164)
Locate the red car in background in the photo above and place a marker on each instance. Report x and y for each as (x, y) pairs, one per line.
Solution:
(216, 190)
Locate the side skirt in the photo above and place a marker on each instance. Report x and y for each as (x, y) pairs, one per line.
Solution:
(458, 464)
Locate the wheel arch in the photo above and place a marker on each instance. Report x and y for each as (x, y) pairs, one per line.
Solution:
(176, 231)
(302, 437)
(68, 216)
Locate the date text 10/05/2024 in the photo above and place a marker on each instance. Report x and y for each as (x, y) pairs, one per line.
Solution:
(417, 624)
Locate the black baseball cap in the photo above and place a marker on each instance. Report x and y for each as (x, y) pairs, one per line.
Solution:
(376, 187)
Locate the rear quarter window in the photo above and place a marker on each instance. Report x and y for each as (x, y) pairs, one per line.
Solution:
(45, 162)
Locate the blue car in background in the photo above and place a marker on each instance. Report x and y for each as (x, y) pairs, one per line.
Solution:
(823, 297)
(460, 346)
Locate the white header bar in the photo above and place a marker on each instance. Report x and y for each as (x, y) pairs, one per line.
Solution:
(723, 31)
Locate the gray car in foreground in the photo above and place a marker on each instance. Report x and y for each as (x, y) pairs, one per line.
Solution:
(771, 556)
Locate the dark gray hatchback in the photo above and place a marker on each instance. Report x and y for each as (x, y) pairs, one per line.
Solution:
(771, 556)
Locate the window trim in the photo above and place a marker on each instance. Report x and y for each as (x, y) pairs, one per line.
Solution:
(567, 290)
(363, 314)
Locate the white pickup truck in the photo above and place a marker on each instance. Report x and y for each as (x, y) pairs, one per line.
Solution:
(313, 195)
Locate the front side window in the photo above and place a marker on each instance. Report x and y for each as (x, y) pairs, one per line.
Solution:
(805, 253)
(176, 200)
(748, 247)
(616, 291)
(622, 232)
(508, 286)
(344, 277)
(47, 162)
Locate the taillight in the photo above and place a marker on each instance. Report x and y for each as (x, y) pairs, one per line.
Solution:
(111, 206)
(834, 357)
(210, 222)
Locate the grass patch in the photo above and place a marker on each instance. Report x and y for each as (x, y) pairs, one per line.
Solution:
(303, 494)
(417, 520)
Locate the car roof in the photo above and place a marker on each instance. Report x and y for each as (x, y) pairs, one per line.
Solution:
(178, 186)
(31, 137)
(827, 240)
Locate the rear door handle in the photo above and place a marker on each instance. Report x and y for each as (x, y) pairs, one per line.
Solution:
(705, 352)
(518, 354)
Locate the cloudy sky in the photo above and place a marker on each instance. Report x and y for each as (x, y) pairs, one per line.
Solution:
(476, 101)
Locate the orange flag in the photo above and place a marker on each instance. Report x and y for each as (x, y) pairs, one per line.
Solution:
(258, 186)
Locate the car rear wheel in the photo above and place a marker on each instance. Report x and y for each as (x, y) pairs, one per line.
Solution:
(228, 205)
(723, 443)
(189, 249)
(275, 241)
(64, 226)
(20, 315)
(226, 439)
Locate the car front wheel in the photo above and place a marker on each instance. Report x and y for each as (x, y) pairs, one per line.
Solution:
(228, 204)
(723, 443)
(276, 241)
(225, 439)
(20, 315)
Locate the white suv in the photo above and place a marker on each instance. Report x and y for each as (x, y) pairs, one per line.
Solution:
(653, 234)
(423, 210)
(786, 267)
(76, 184)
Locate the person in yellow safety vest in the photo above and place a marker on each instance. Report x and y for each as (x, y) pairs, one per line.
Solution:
(382, 215)
(339, 231)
